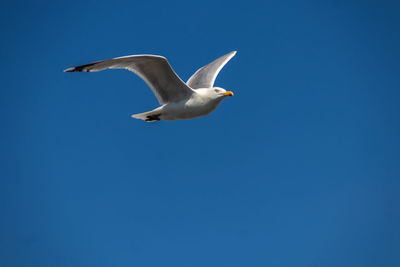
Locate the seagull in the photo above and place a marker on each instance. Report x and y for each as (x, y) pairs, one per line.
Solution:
(178, 100)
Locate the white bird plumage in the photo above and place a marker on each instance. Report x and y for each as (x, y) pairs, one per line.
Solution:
(179, 100)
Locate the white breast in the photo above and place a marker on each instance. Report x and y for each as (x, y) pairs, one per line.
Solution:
(196, 106)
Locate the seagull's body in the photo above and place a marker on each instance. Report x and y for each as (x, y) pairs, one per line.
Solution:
(179, 100)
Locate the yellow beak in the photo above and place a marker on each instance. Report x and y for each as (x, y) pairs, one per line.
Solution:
(228, 93)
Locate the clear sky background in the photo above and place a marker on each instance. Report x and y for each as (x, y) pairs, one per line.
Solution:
(300, 168)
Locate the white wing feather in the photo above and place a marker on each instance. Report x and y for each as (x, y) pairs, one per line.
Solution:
(205, 76)
(154, 70)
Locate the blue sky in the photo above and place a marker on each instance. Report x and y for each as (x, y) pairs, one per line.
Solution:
(299, 168)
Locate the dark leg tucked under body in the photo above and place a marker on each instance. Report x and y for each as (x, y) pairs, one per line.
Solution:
(155, 117)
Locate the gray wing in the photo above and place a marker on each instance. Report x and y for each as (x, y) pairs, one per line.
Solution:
(154, 70)
(205, 77)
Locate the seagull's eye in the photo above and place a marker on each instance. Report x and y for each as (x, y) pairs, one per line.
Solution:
(216, 90)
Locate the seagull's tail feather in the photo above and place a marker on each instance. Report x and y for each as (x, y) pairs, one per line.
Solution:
(149, 116)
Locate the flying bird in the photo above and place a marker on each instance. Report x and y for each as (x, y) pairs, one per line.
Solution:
(178, 100)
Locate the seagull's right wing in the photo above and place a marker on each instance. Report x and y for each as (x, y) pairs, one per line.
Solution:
(205, 77)
(154, 70)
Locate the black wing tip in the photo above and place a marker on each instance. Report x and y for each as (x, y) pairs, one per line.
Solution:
(70, 70)
(76, 69)
(80, 68)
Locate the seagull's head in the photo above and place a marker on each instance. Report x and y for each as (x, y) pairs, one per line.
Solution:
(220, 92)
(214, 94)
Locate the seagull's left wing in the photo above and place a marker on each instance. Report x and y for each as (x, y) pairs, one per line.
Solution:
(154, 70)
(205, 76)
